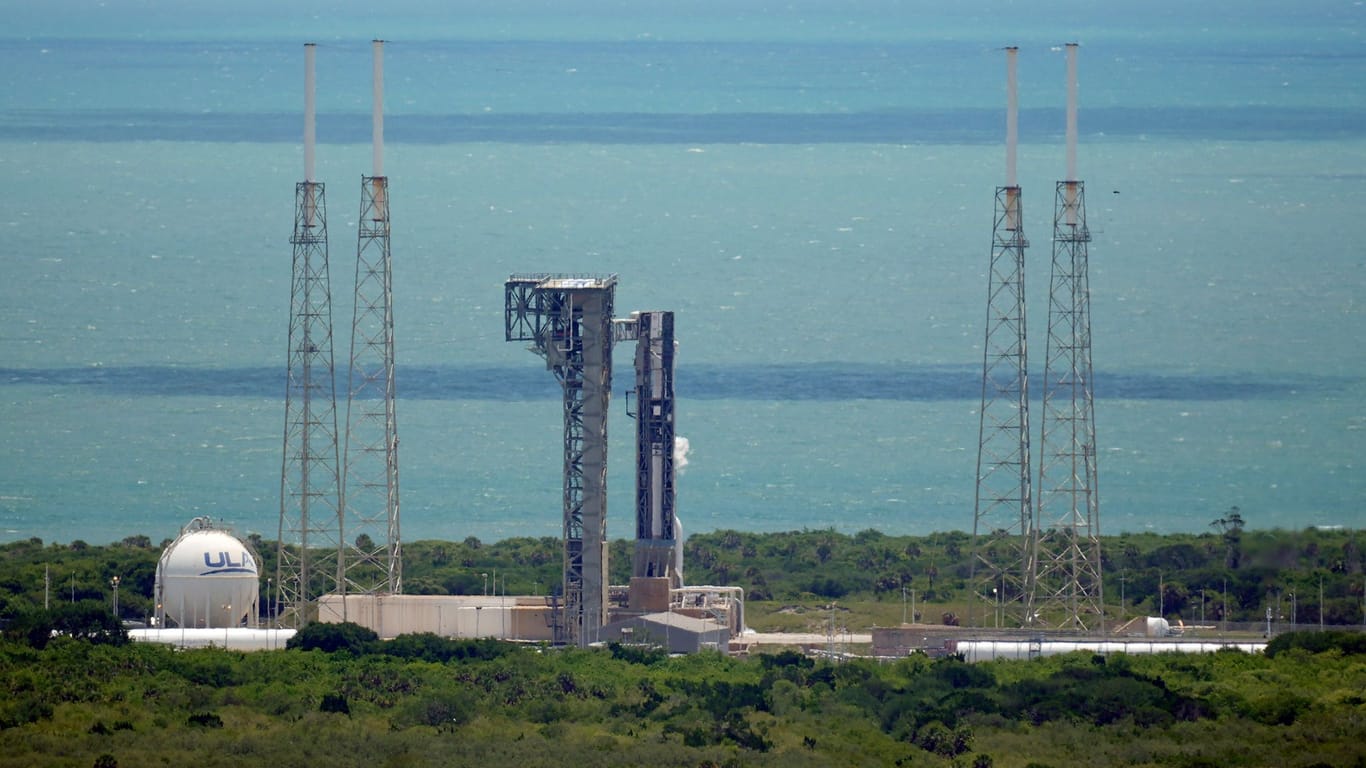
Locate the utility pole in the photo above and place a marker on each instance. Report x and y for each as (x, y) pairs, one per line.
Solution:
(1122, 578)
(1225, 606)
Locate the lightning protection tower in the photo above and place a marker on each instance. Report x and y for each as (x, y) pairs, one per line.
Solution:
(568, 319)
(310, 502)
(1068, 589)
(1003, 524)
(657, 534)
(372, 560)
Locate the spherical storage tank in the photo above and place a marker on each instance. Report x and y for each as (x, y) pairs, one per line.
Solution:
(207, 577)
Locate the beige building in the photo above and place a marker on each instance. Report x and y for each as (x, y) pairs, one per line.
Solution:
(460, 616)
(710, 616)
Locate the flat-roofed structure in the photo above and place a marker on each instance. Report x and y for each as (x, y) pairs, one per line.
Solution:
(458, 616)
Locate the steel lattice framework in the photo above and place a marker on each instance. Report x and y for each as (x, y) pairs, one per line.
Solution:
(656, 526)
(372, 560)
(310, 503)
(568, 319)
(1068, 591)
(1003, 523)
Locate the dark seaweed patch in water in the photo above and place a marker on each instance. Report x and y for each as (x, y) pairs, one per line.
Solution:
(889, 126)
(825, 381)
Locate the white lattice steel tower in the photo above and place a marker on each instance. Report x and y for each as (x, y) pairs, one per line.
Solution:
(1002, 527)
(372, 549)
(1068, 587)
(310, 488)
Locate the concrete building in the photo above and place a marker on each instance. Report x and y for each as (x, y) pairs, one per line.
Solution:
(460, 616)
(675, 632)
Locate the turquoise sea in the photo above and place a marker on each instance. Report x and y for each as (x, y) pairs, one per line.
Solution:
(808, 185)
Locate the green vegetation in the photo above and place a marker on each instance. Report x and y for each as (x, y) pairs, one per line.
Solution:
(1228, 574)
(81, 695)
(1185, 576)
(429, 701)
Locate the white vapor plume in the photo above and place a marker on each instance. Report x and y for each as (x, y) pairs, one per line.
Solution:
(681, 448)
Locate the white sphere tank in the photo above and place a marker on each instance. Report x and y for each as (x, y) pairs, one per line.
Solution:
(207, 578)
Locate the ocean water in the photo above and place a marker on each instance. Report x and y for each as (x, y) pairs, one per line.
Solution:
(809, 187)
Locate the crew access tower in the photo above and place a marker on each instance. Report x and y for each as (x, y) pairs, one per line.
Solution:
(568, 320)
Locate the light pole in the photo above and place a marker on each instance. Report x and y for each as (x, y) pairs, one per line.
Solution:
(903, 603)
(486, 583)
(1294, 612)
(1320, 602)
(1202, 609)
(115, 582)
(1224, 607)
(1122, 579)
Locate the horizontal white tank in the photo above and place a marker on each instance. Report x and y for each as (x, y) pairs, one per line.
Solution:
(207, 578)
(987, 650)
(232, 639)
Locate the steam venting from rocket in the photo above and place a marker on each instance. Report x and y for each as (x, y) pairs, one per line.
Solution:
(681, 449)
